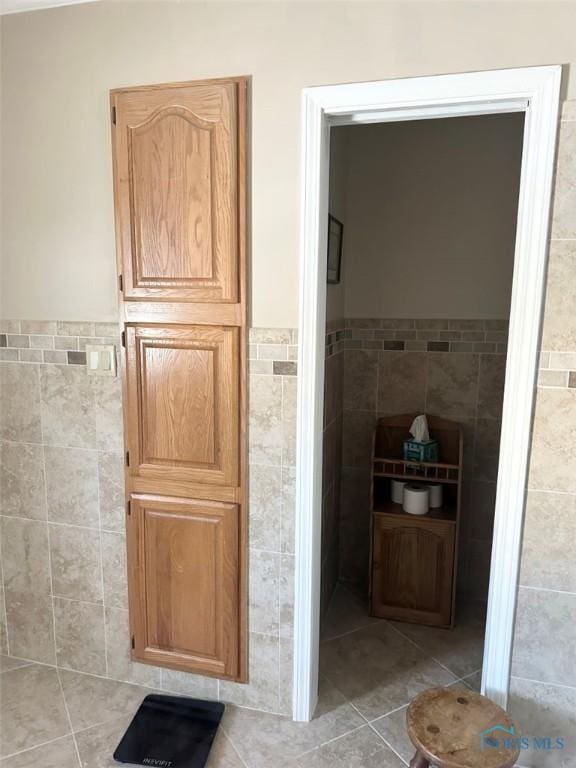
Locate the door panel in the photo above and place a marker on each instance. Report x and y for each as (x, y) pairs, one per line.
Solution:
(183, 557)
(177, 192)
(183, 386)
(412, 570)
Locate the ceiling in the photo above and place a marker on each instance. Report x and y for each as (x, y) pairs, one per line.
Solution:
(20, 6)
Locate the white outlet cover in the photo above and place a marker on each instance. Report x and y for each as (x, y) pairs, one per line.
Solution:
(101, 359)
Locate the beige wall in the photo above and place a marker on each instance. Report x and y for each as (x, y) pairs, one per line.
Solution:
(430, 216)
(58, 66)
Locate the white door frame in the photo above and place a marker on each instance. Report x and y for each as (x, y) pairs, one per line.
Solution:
(535, 91)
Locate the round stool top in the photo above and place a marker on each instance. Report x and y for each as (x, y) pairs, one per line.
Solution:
(457, 728)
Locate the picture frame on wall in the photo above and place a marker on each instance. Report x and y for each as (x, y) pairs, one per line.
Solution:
(335, 232)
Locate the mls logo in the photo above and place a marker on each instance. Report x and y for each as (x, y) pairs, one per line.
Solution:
(498, 737)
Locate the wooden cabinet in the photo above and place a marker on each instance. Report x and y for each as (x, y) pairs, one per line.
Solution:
(183, 572)
(413, 558)
(183, 403)
(177, 190)
(179, 185)
(412, 567)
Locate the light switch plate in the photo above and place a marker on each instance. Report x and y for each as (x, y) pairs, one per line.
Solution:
(101, 359)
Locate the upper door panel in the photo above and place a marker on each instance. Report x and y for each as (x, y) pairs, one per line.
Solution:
(176, 185)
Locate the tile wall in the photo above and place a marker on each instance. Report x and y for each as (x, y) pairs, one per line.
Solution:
(332, 462)
(62, 536)
(543, 686)
(449, 368)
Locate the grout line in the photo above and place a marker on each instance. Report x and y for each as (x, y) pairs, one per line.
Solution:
(350, 631)
(429, 655)
(68, 716)
(62, 525)
(54, 640)
(38, 746)
(545, 490)
(4, 600)
(56, 596)
(547, 589)
(387, 743)
(60, 445)
(20, 666)
(330, 741)
(102, 571)
(229, 738)
(541, 682)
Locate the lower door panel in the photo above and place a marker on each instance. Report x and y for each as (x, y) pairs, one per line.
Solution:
(184, 583)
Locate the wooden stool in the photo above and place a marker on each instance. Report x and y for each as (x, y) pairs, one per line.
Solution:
(446, 726)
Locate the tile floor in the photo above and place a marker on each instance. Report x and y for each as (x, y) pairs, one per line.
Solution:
(370, 670)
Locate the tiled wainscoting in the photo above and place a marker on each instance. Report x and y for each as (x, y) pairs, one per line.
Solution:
(543, 684)
(62, 512)
(449, 368)
(331, 464)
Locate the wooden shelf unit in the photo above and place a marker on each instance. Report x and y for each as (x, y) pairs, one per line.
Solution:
(413, 559)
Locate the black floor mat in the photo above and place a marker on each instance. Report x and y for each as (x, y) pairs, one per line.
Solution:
(170, 732)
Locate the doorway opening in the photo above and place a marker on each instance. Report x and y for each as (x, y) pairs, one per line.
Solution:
(441, 198)
(416, 325)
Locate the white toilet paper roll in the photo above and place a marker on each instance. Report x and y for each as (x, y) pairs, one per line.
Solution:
(397, 491)
(435, 495)
(416, 499)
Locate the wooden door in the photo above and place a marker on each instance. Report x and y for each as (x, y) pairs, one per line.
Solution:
(183, 566)
(177, 370)
(179, 184)
(177, 190)
(412, 565)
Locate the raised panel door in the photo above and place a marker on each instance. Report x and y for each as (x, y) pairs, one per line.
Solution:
(183, 395)
(176, 183)
(183, 559)
(412, 564)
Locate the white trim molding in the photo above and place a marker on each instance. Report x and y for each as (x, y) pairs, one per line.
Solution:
(535, 91)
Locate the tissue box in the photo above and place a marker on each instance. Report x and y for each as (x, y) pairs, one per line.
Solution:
(416, 450)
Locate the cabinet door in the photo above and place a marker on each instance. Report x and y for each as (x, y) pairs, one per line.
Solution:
(183, 566)
(179, 186)
(412, 570)
(176, 184)
(183, 390)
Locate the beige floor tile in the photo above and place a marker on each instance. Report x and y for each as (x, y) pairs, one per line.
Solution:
(223, 754)
(31, 709)
(378, 671)
(346, 613)
(7, 663)
(93, 700)
(360, 749)
(56, 754)
(96, 745)
(459, 649)
(473, 681)
(392, 728)
(265, 740)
